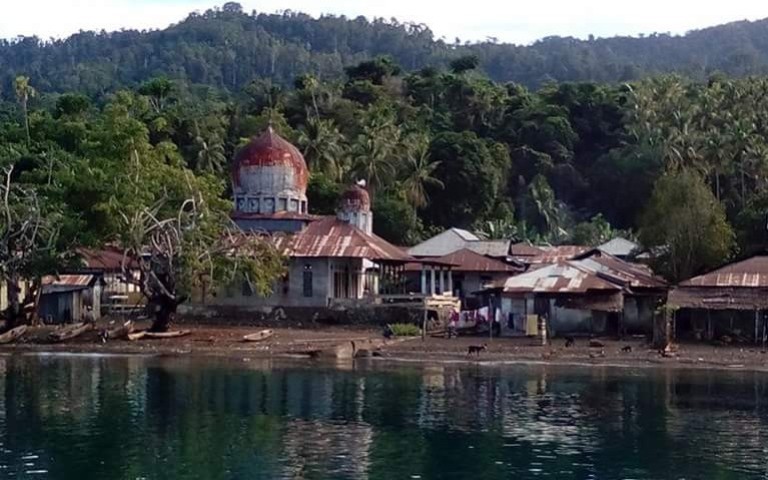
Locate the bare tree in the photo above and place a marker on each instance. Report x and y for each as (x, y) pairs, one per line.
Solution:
(27, 248)
(176, 253)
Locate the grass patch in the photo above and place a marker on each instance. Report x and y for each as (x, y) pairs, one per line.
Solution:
(405, 330)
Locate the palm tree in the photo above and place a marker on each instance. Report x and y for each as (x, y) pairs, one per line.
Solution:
(376, 150)
(323, 147)
(210, 156)
(24, 91)
(419, 171)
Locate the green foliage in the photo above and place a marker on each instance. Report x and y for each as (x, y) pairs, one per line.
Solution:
(405, 330)
(685, 226)
(473, 172)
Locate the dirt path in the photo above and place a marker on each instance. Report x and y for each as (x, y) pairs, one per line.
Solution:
(228, 341)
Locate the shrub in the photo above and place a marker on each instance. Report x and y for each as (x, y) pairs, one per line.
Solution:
(405, 330)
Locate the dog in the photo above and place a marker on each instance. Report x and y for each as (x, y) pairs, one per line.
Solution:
(569, 342)
(476, 349)
(626, 349)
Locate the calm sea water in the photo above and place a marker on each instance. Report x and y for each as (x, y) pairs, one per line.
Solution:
(120, 418)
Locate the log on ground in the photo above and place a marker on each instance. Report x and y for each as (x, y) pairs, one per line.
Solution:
(13, 334)
(70, 332)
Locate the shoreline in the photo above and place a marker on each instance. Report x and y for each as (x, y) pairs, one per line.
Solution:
(294, 343)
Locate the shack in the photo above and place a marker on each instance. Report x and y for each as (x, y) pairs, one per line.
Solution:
(67, 298)
(728, 304)
(595, 293)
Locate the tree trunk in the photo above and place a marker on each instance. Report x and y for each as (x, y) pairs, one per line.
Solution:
(14, 312)
(26, 121)
(165, 312)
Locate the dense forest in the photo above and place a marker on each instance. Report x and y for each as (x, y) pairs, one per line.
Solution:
(679, 164)
(227, 48)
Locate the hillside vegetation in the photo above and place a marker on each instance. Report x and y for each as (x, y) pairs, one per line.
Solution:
(227, 48)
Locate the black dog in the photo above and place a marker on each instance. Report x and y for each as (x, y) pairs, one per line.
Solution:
(569, 342)
(627, 349)
(476, 349)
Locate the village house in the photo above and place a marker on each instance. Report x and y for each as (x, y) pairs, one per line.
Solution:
(727, 304)
(333, 261)
(593, 293)
(121, 277)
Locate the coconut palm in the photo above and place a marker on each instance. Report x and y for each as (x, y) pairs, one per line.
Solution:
(419, 171)
(24, 91)
(323, 147)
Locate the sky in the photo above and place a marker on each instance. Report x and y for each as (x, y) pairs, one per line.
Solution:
(515, 21)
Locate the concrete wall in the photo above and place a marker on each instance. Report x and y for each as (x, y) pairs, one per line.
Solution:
(299, 316)
(638, 317)
(291, 293)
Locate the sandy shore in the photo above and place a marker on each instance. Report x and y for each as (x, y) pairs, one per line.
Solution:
(228, 342)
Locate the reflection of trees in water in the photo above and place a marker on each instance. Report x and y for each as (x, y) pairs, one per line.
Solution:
(124, 418)
(333, 450)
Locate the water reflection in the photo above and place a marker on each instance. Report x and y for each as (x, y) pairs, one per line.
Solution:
(148, 418)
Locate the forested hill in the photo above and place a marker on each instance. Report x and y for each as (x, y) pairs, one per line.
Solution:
(226, 47)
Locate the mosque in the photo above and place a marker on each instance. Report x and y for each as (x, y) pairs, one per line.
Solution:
(333, 260)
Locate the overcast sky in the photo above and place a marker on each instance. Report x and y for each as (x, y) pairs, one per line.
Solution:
(518, 21)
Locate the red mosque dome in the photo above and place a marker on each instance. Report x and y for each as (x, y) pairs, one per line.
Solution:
(355, 198)
(270, 162)
(269, 175)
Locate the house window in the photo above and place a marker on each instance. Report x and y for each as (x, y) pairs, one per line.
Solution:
(282, 204)
(294, 206)
(308, 288)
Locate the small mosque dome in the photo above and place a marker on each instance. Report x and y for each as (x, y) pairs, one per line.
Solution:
(355, 199)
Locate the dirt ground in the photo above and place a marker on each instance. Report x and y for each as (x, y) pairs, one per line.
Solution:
(228, 341)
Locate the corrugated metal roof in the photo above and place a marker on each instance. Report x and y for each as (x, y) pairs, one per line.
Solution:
(69, 280)
(720, 298)
(619, 247)
(466, 260)
(524, 250)
(557, 254)
(331, 237)
(749, 273)
(636, 276)
(444, 243)
(561, 277)
(490, 248)
(106, 259)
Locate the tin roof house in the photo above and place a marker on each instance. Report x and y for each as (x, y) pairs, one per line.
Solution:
(593, 293)
(730, 303)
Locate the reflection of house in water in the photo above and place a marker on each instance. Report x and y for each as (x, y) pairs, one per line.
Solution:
(335, 449)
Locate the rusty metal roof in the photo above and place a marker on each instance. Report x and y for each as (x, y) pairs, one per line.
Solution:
(560, 277)
(749, 273)
(630, 274)
(465, 260)
(545, 255)
(69, 280)
(331, 237)
(109, 259)
(490, 248)
(524, 250)
(719, 298)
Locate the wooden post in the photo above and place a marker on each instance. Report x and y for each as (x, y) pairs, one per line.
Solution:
(424, 322)
(757, 315)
